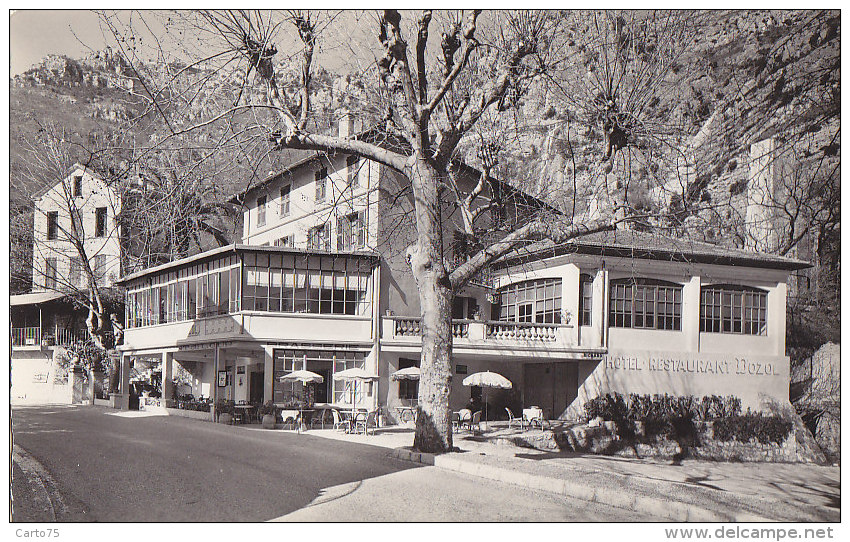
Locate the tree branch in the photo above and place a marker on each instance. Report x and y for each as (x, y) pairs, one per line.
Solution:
(421, 45)
(535, 230)
(470, 43)
(330, 144)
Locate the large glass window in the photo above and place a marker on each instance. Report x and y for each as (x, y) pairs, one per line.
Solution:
(585, 300)
(325, 363)
(645, 304)
(733, 309)
(531, 301)
(192, 304)
(314, 284)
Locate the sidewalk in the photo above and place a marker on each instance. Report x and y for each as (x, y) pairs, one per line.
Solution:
(692, 491)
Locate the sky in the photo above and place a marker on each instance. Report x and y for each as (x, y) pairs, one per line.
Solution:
(33, 34)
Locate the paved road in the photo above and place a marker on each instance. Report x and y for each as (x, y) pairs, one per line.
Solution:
(112, 468)
(96, 464)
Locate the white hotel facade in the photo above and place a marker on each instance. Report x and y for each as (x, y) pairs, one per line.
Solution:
(319, 281)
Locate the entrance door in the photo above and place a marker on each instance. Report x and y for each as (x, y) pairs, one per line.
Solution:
(566, 386)
(551, 386)
(321, 390)
(256, 387)
(538, 386)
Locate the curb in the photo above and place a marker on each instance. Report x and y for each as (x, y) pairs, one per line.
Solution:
(669, 510)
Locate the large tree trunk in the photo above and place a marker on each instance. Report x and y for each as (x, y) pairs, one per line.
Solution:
(434, 424)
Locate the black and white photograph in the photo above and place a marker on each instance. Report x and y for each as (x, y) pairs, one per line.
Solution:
(456, 268)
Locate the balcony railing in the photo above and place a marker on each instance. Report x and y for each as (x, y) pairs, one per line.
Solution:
(26, 336)
(489, 330)
(521, 331)
(412, 327)
(34, 336)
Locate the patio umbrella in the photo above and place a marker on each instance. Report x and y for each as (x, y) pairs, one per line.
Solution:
(408, 373)
(486, 380)
(305, 377)
(355, 374)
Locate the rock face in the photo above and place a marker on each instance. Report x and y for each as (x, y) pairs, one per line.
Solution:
(820, 403)
(102, 69)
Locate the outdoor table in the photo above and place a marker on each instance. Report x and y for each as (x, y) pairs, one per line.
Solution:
(533, 414)
(246, 408)
(285, 414)
(351, 415)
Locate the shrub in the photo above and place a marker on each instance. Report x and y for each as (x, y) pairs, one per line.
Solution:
(267, 408)
(645, 408)
(765, 429)
(612, 407)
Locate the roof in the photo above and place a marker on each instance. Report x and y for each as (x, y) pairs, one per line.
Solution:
(652, 246)
(297, 158)
(34, 298)
(387, 141)
(209, 254)
(68, 171)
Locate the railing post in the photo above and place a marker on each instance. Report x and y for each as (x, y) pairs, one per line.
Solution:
(476, 331)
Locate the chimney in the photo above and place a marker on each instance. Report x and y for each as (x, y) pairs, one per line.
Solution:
(761, 219)
(346, 122)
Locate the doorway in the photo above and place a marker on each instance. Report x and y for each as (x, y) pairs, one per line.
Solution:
(551, 386)
(256, 387)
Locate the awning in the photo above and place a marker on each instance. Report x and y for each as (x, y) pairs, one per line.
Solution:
(34, 299)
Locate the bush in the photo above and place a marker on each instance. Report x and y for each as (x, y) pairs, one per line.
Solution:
(648, 408)
(267, 408)
(765, 429)
(612, 407)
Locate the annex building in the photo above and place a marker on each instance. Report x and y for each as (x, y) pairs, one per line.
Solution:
(75, 216)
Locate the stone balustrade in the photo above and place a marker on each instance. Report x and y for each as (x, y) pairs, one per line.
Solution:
(473, 330)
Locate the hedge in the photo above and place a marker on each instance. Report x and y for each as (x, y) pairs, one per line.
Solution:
(674, 415)
(765, 429)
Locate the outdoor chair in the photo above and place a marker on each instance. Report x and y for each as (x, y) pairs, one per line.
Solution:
(240, 414)
(455, 421)
(465, 416)
(512, 419)
(370, 421)
(340, 423)
(318, 418)
(475, 422)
